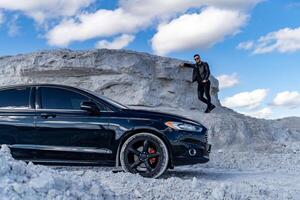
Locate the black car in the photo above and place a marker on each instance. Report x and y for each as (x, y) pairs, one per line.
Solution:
(56, 124)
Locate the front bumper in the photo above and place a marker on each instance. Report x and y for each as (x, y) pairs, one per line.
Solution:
(190, 148)
(191, 155)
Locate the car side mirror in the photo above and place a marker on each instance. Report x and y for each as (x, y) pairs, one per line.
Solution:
(90, 107)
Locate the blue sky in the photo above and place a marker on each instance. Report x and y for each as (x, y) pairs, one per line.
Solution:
(253, 47)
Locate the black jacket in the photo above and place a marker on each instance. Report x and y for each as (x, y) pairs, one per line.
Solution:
(200, 71)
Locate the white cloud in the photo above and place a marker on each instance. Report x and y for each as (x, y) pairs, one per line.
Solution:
(43, 9)
(264, 113)
(162, 8)
(227, 81)
(99, 24)
(283, 41)
(130, 17)
(118, 42)
(134, 15)
(167, 7)
(287, 99)
(246, 45)
(248, 100)
(201, 30)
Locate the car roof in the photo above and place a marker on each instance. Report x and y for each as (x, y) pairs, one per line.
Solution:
(38, 85)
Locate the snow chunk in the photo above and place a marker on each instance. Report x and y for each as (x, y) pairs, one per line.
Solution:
(28, 181)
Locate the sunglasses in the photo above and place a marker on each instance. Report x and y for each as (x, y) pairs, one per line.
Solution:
(197, 58)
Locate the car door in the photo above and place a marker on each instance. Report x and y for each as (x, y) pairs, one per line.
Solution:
(68, 134)
(17, 116)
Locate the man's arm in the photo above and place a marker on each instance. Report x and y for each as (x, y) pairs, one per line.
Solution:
(188, 65)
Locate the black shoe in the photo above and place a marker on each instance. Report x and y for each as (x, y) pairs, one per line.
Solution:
(207, 110)
(211, 107)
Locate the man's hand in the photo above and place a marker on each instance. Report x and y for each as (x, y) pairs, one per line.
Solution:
(181, 65)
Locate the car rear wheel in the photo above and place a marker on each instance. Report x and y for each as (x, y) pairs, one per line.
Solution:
(145, 154)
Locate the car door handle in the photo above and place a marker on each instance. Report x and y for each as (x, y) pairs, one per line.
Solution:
(48, 115)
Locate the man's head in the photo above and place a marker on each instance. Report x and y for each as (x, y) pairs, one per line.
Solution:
(197, 58)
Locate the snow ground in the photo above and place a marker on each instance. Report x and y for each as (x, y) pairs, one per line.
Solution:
(268, 172)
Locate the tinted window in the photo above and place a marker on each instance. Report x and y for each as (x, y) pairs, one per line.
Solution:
(110, 101)
(55, 98)
(14, 98)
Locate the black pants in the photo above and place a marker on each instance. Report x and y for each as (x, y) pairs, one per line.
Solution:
(204, 88)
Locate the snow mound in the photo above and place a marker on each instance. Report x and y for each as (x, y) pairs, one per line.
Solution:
(231, 174)
(149, 82)
(129, 77)
(265, 173)
(227, 128)
(28, 181)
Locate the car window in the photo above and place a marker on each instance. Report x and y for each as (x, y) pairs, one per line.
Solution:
(15, 98)
(57, 98)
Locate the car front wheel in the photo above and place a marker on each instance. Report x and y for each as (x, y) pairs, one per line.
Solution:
(145, 154)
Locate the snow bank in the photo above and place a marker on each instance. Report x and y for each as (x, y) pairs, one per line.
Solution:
(140, 79)
(265, 173)
(228, 128)
(275, 156)
(28, 181)
(129, 77)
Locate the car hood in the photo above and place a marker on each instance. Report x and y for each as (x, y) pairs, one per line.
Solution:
(160, 115)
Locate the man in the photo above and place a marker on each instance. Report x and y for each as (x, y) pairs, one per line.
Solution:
(201, 74)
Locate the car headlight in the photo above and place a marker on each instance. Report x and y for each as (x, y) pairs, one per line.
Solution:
(183, 126)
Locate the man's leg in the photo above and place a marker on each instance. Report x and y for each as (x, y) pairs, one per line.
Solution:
(207, 94)
(201, 91)
(206, 87)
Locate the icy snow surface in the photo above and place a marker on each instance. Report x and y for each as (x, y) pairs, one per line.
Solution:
(19, 180)
(267, 172)
(265, 167)
(251, 158)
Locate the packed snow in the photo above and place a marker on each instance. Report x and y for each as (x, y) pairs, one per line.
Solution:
(251, 158)
(28, 181)
(246, 164)
(267, 172)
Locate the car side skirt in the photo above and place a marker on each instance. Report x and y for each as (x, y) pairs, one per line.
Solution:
(62, 148)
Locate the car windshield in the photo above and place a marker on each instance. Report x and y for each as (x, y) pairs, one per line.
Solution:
(108, 100)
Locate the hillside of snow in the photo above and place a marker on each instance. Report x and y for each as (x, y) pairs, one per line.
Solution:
(144, 80)
(251, 158)
(269, 172)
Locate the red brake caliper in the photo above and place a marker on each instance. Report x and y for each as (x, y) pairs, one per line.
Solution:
(152, 151)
